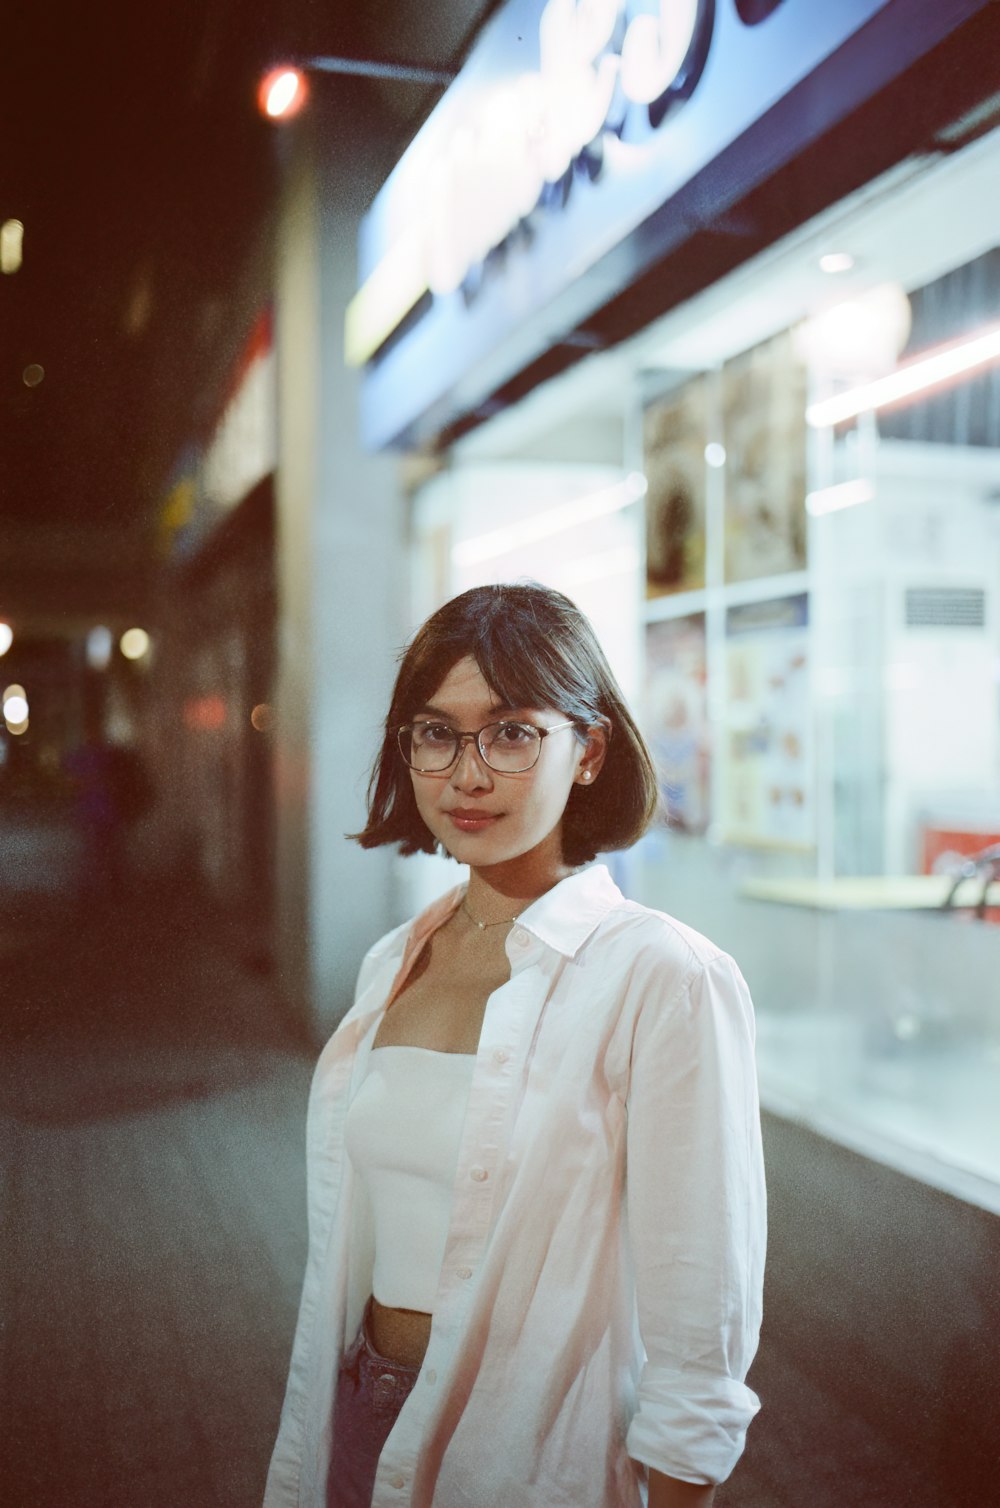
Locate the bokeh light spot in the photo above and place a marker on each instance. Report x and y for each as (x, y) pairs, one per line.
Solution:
(134, 643)
(204, 714)
(282, 93)
(99, 645)
(11, 245)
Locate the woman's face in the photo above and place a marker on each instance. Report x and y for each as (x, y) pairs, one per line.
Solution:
(484, 818)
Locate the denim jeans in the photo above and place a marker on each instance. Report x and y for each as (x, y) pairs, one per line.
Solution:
(371, 1390)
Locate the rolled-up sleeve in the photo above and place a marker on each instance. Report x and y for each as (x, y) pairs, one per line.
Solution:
(696, 1219)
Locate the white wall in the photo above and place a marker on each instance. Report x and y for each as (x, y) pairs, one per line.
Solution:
(341, 596)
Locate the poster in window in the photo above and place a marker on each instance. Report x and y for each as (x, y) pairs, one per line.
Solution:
(676, 718)
(767, 772)
(675, 433)
(764, 433)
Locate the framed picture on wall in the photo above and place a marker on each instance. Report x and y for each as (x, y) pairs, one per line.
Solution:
(764, 433)
(767, 753)
(676, 719)
(675, 432)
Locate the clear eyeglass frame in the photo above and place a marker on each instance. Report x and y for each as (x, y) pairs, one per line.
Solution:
(459, 739)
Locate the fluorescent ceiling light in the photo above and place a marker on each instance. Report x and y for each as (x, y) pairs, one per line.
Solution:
(552, 521)
(843, 495)
(939, 366)
(836, 261)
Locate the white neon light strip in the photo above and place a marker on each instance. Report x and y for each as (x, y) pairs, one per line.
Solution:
(950, 361)
(844, 495)
(553, 521)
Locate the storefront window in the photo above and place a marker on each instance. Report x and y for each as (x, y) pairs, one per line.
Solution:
(797, 580)
(823, 692)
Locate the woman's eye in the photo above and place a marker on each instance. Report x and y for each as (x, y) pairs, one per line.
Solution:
(436, 733)
(514, 733)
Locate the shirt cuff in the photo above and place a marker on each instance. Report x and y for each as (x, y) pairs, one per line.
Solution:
(688, 1427)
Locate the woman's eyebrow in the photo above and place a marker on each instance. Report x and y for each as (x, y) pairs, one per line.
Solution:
(449, 717)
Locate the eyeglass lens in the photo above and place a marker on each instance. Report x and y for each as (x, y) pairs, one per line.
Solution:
(506, 747)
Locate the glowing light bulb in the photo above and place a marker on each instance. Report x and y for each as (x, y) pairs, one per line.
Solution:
(282, 93)
(6, 637)
(15, 709)
(863, 335)
(134, 643)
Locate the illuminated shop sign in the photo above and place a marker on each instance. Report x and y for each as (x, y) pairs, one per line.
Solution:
(241, 452)
(600, 63)
(243, 449)
(583, 143)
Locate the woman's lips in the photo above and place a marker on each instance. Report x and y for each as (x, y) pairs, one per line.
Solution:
(472, 822)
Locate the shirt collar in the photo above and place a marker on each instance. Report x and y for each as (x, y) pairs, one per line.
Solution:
(563, 918)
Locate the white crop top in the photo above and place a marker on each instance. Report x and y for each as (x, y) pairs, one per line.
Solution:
(402, 1134)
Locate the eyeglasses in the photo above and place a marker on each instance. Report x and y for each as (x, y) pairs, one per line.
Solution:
(509, 748)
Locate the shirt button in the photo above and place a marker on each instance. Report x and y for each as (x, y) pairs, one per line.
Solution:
(398, 1480)
(464, 1272)
(479, 1174)
(500, 1056)
(431, 1375)
(520, 938)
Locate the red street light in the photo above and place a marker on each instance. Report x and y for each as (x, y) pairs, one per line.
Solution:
(282, 93)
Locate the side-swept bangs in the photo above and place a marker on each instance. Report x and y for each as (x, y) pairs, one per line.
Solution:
(535, 649)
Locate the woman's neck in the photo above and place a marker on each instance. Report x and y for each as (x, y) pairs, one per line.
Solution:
(495, 897)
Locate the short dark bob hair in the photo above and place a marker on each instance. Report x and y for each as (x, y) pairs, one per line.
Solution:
(534, 649)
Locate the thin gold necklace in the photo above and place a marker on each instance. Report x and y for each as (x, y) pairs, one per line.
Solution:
(484, 925)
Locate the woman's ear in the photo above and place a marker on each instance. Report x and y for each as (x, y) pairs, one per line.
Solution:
(593, 755)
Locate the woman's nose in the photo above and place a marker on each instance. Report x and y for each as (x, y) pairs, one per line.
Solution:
(471, 772)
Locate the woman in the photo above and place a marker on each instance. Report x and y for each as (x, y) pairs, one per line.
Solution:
(536, 1189)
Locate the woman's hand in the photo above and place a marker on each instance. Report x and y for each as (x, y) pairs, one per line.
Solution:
(668, 1492)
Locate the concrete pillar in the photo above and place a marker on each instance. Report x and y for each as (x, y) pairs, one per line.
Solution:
(341, 596)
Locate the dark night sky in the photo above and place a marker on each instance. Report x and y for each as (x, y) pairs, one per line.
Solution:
(134, 157)
(133, 152)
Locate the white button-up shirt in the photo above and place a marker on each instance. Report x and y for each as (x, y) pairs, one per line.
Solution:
(600, 1296)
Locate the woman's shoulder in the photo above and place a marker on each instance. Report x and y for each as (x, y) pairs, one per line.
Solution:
(674, 977)
(654, 941)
